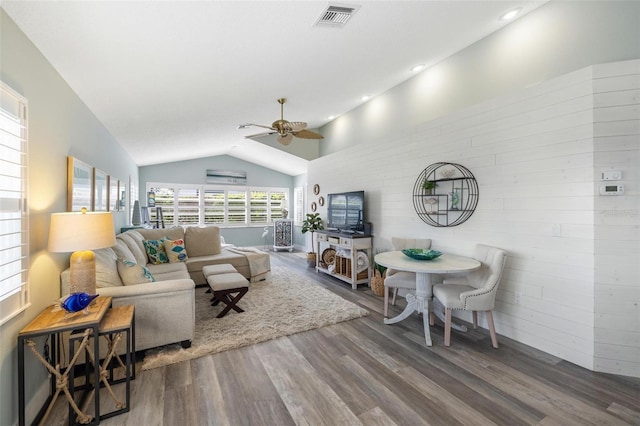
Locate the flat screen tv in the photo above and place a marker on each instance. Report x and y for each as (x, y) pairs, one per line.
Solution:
(345, 211)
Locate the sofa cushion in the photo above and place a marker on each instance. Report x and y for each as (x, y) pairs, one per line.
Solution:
(174, 233)
(169, 271)
(133, 240)
(131, 273)
(123, 252)
(106, 269)
(225, 256)
(176, 251)
(155, 251)
(202, 240)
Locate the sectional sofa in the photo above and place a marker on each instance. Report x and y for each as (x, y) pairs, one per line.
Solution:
(163, 293)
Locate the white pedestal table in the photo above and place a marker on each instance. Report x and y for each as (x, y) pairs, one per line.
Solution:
(445, 264)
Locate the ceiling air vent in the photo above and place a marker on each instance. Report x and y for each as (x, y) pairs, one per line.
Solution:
(336, 16)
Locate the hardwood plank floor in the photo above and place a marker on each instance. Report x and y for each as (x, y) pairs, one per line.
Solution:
(363, 372)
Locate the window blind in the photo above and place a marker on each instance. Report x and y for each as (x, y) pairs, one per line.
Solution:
(14, 225)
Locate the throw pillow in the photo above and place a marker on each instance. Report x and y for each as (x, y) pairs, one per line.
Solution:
(131, 273)
(155, 251)
(203, 241)
(175, 250)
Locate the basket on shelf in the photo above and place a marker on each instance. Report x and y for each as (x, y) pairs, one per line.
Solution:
(377, 283)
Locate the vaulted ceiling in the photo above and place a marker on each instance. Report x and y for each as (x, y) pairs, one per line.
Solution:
(171, 80)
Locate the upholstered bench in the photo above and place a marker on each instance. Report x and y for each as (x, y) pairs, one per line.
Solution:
(225, 282)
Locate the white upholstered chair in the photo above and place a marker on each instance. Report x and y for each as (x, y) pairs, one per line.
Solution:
(473, 292)
(401, 279)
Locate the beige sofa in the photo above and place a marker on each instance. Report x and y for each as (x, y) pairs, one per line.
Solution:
(163, 294)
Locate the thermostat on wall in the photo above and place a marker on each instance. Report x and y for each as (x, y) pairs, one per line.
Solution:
(617, 189)
(611, 175)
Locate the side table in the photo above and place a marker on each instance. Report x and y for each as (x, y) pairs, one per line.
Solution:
(53, 321)
(118, 321)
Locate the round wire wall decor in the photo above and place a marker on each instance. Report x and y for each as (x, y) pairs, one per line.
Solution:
(445, 194)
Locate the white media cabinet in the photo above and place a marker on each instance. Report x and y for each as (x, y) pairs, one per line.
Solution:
(345, 267)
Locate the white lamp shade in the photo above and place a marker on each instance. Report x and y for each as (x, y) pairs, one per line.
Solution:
(76, 231)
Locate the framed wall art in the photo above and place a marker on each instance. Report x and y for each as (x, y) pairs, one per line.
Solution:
(100, 191)
(79, 185)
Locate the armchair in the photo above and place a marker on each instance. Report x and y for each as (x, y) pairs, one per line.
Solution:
(473, 292)
(401, 279)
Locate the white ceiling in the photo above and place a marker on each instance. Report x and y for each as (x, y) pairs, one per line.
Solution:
(167, 74)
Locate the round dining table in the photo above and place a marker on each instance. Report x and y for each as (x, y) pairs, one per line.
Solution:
(424, 269)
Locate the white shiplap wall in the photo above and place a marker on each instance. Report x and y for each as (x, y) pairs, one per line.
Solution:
(533, 155)
(617, 218)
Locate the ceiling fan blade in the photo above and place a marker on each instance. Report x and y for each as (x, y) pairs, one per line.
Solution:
(285, 139)
(259, 135)
(307, 134)
(295, 126)
(247, 125)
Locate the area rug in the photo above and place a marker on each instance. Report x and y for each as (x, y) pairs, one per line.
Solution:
(284, 304)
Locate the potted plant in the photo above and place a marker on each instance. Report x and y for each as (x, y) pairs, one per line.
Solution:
(312, 223)
(429, 186)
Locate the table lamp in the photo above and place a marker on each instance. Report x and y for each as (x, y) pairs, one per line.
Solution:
(81, 232)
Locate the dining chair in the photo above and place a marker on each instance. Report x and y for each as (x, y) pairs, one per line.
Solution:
(401, 279)
(475, 291)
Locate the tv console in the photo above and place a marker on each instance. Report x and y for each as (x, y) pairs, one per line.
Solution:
(345, 267)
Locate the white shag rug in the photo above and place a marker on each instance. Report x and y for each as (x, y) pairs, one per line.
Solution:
(284, 304)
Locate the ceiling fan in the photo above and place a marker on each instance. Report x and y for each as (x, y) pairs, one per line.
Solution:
(286, 130)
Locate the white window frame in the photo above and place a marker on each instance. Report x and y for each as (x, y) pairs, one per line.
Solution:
(223, 188)
(14, 248)
(298, 205)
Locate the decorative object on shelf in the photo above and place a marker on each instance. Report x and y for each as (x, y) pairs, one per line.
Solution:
(316, 189)
(312, 223)
(314, 206)
(321, 201)
(455, 199)
(447, 173)
(136, 218)
(285, 213)
(445, 194)
(80, 233)
(328, 256)
(421, 254)
(429, 186)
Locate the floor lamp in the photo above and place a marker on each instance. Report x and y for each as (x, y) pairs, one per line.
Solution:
(81, 232)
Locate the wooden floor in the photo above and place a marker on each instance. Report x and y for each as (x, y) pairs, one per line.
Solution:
(365, 372)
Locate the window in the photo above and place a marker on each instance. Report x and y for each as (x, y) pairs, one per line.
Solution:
(14, 218)
(184, 204)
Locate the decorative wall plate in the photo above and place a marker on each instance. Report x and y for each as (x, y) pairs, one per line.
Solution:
(314, 206)
(316, 189)
(321, 201)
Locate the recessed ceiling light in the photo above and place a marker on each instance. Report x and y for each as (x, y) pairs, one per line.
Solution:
(510, 14)
(365, 98)
(331, 117)
(417, 68)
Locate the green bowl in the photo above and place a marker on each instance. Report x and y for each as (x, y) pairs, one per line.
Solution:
(421, 254)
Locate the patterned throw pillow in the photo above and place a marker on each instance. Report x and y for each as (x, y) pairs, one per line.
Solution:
(155, 251)
(175, 250)
(131, 273)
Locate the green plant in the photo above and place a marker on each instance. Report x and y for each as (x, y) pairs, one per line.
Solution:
(312, 223)
(378, 267)
(429, 185)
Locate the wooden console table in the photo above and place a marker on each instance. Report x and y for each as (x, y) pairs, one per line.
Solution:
(53, 321)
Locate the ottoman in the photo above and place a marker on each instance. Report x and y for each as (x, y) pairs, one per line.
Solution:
(227, 287)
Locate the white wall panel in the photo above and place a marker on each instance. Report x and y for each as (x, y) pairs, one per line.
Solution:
(537, 163)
